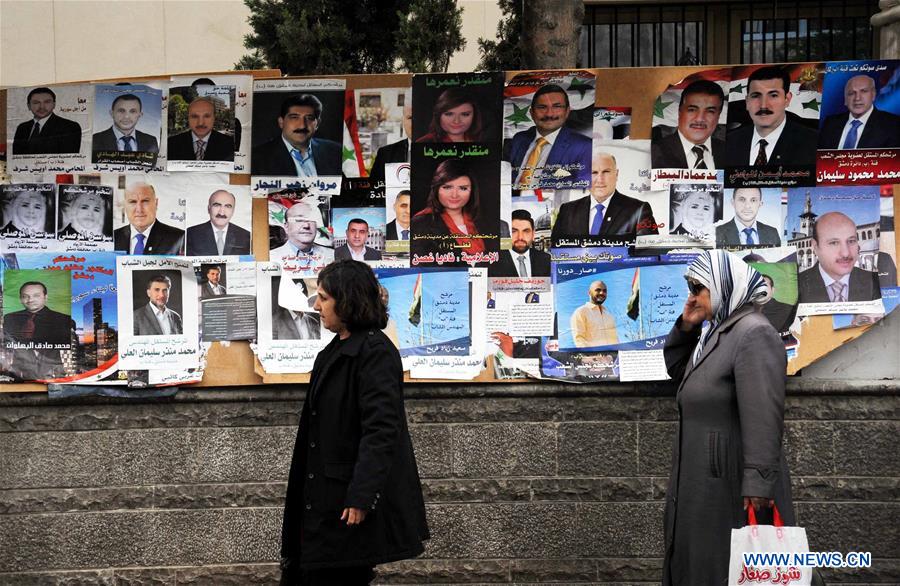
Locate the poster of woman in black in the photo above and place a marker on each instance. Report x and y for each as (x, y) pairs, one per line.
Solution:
(455, 179)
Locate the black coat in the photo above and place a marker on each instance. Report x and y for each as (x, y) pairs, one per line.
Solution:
(58, 136)
(863, 286)
(164, 239)
(795, 146)
(106, 141)
(201, 240)
(353, 450)
(625, 218)
(882, 131)
(219, 147)
(667, 153)
(273, 158)
(727, 234)
(506, 266)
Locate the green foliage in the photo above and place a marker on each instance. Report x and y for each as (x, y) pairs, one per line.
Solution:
(504, 54)
(178, 112)
(323, 37)
(429, 34)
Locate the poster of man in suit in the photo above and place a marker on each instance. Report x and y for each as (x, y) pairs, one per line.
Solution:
(689, 124)
(221, 227)
(836, 231)
(298, 127)
(201, 127)
(860, 123)
(158, 313)
(752, 218)
(149, 215)
(548, 122)
(619, 206)
(384, 128)
(45, 122)
(37, 325)
(127, 127)
(773, 117)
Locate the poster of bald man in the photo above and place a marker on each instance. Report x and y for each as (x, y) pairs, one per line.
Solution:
(619, 206)
(127, 127)
(149, 214)
(48, 127)
(221, 225)
(299, 234)
(241, 109)
(201, 128)
(836, 233)
(859, 134)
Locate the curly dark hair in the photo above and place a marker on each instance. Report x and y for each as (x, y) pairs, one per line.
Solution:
(448, 100)
(356, 293)
(448, 171)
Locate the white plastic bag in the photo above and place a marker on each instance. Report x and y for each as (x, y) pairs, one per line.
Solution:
(776, 538)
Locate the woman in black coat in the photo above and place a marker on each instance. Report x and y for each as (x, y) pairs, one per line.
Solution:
(354, 497)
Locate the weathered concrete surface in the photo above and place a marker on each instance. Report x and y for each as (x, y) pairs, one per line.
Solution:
(524, 484)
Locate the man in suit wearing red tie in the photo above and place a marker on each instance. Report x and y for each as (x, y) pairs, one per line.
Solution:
(774, 138)
(47, 133)
(37, 324)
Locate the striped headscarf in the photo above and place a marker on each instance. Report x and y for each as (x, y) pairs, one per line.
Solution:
(732, 283)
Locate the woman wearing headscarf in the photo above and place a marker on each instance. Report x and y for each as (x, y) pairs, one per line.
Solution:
(731, 366)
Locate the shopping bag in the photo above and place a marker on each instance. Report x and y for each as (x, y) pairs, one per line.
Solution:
(776, 538)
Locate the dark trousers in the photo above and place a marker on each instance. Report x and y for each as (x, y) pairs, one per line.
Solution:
(354, 576)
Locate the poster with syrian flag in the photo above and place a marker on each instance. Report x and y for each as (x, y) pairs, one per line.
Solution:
(773, 131)
(688, 136)
(548, 122)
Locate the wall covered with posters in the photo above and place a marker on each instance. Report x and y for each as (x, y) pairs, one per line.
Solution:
(527, 224)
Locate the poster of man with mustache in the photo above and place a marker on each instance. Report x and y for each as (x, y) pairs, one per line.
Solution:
(689, 126)
(548, 121)
(297, 127)
(773, 120)
(201, 128)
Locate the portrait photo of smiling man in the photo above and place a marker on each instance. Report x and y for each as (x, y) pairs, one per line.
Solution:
(550, 154)
(861, 124)
(693, 145)
(773, 135)
(46, 132)
(745, 228)
(297, 150)
(835, 277)
(201, 142)
(126, 111)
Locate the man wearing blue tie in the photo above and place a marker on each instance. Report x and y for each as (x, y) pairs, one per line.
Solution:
(123, 135)
(862, 126)
(606, 213)
(744, 229)
(144, 233)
